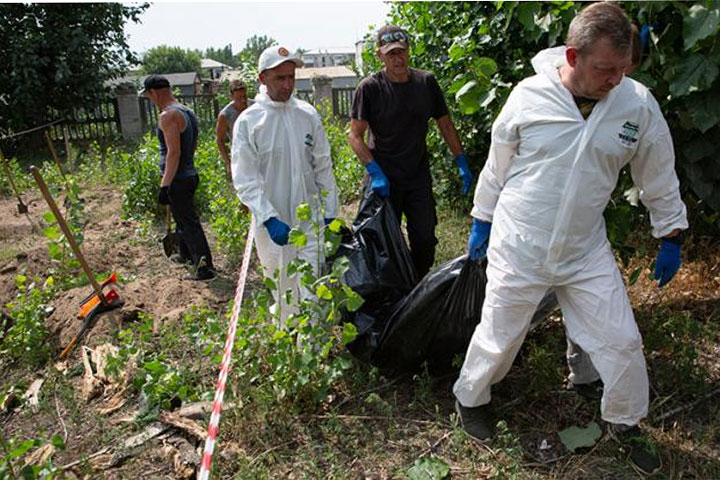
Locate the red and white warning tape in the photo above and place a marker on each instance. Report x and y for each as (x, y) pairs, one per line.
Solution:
(226, 360)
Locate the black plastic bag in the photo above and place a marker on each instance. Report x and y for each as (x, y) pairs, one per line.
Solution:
(381, 270)
(433, 321)
(436, 321)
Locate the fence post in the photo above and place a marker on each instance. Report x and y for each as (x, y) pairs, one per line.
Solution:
(129, 113)
(322, 93)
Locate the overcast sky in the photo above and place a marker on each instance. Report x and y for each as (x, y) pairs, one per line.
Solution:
(306, 25)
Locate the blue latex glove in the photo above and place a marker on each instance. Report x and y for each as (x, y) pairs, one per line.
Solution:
(465, 173)
(278, 230)
(378, 181)
(328, 221)
(668, 262)
(478, 241)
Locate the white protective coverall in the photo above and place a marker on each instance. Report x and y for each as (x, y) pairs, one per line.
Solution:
(280, 159)
(548, 177)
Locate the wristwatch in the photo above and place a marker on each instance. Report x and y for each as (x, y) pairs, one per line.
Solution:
(677, 239)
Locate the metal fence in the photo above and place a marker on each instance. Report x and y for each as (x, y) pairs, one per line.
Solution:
(205, 106)
(306, 95)
(90, 123)
(342, 102)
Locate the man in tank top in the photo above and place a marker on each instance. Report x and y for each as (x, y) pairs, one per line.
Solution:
(177, 132)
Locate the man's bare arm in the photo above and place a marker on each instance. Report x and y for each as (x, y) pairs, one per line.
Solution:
(170, 123)
(356, 139)
(448, 132)
(221, 139)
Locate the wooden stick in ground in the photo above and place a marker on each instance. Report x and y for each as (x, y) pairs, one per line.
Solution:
(51, 146)
(10, 179)
(68, 234)
(66, 138)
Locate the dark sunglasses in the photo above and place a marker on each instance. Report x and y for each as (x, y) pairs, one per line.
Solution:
(392, 37)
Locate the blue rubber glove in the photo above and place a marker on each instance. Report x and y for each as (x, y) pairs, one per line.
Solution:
(378, 181)
(279, 231)
(478, 241)
(668, 262)
(465, 173)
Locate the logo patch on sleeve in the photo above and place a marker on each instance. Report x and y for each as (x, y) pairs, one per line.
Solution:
(309, 140)
(628, 133)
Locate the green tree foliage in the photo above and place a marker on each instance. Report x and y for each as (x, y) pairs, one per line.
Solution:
(480, 50)
(254, 46)
(222, 55)
(165, 59)
(58, 56)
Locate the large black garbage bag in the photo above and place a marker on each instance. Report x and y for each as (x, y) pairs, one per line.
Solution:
(436, 321)
(381, 270)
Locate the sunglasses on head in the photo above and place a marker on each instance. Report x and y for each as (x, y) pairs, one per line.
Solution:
(392, 37)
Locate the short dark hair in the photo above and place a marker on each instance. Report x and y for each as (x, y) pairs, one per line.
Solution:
(600, 20)
(155, 82)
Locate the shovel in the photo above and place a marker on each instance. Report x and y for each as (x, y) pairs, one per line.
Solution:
(171, 240)
(22, 208)
(68, 234)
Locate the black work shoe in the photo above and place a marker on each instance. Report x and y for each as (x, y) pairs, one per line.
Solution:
(476, 421)
(644, 454)
(591, 391)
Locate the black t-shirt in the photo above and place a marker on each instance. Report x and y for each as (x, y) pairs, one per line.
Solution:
(398, 115)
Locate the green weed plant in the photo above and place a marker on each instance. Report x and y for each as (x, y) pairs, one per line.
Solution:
(25, 341)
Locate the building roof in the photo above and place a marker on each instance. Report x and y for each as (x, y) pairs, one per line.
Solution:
(332, 72)
(210, 63)
(177, 79)
(331, 51)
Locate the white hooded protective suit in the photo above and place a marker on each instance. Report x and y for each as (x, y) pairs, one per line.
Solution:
(280, 159)
(548, 177)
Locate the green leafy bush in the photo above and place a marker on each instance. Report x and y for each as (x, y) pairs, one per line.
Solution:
(347, 169)
(139, 172)
(291, 365)
(26, 340)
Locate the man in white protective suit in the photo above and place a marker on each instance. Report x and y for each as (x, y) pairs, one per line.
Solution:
(280, 159)
(557, 148)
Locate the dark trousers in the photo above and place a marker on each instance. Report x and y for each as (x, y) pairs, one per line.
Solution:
(418, 205)
(193, 244)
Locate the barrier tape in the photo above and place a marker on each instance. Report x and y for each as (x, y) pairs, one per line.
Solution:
(226, 360)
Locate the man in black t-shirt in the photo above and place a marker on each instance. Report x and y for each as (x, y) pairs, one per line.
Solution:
(395, 104)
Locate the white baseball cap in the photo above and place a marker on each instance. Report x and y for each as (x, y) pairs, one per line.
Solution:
(273, 56)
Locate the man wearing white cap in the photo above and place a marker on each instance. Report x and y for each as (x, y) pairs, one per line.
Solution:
(280, 159)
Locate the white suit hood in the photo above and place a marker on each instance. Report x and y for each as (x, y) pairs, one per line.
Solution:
(547, 61)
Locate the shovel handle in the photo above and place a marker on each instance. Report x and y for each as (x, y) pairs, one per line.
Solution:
(167, 217)
(10, 178)
(68, 234)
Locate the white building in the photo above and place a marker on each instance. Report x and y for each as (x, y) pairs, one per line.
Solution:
(328, 56)
(213, 68)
